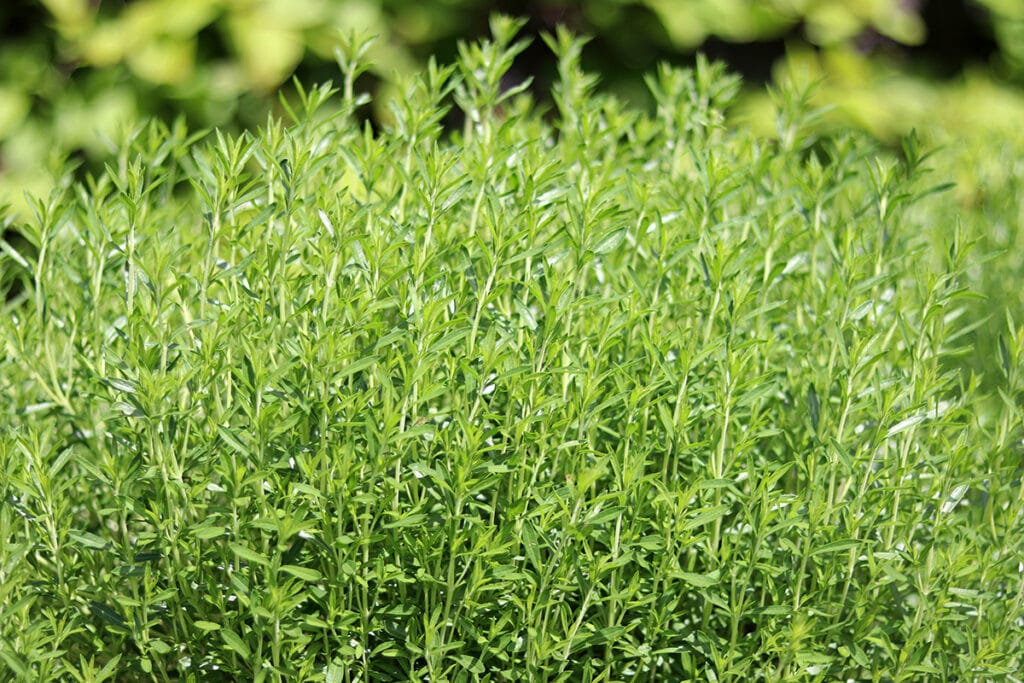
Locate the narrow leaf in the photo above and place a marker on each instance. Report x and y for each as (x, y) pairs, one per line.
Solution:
(121, 384)
(813, 406)
(836, 546)
(304, 573)
(1004, 354)
(89, 540)
(609, 241)
(232, 640)
(248, 554)
(408, 520)
(707, 516)
(232, 440)
(699, 580)
(207, 532)
(356, 366)
(206, 625)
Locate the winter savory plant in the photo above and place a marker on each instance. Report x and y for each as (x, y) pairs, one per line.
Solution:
(568, 393)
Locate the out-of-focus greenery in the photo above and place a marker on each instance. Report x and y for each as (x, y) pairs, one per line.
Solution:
(1008, 29)
(827, 22)
(85, 69)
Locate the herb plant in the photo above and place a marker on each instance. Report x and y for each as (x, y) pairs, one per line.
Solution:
(582, 394)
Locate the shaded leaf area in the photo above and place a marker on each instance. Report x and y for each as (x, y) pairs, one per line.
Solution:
(585, 394)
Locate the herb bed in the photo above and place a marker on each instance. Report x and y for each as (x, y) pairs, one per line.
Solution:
(590, 394)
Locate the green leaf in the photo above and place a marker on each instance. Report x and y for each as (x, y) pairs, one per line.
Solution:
(699, 580)
(109, 670)
(159, 646)
(530, 546)
(707, 516)
(414, 432)
(777, 610)
(232, 640)
(107, 614)
(205, 533)
(303, 573)
(607, 515)
(260, 218)
(609, 241)
(15, 663)
(356, 366)
(206, 625)
(931, 671)
(936, 189)
(14, 254)
(448, 340)
(89, 540)
(813, 407)
(231, 439)
(608, 634)
(704, 268)
(1004, 355)
(406, 521)
(248, 554)
(836, 546)
(122, 384)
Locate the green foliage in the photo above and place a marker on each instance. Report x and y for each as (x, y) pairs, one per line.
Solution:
(1007, 20)
(988, 202)
(975, 125)
(85, 71)
(586, 394)
(159, 40)
(828, 22)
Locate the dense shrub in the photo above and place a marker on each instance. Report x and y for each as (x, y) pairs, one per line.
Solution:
(583, 394)
(74, 72)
